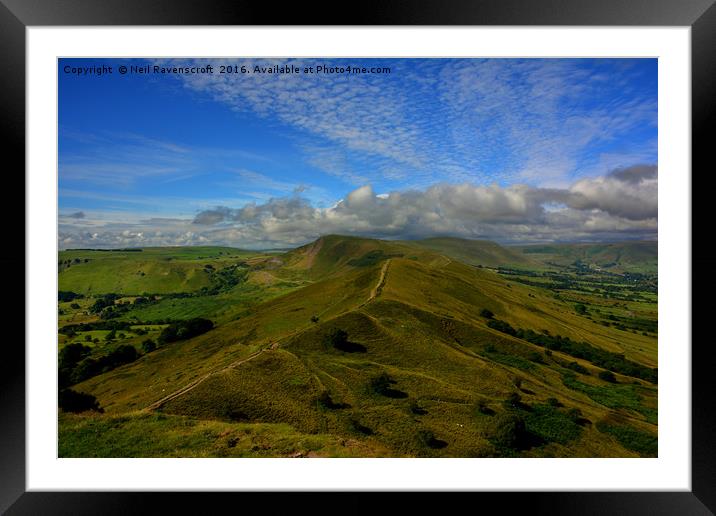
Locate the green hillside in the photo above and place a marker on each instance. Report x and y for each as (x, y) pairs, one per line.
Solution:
(150, 270)
(616, 257)
(360, 347)
(475, 252)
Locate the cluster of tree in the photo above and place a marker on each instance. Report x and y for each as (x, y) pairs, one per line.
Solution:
(632, 323)
(181, 330)
(145, 300)
(626, 284)
(66, 295)
(121, 250)
(103, 302)
(64, 264)
(75, 364)
(602, 358)
(73, 329)
(69, 357)
(109, 308)
(224, 279)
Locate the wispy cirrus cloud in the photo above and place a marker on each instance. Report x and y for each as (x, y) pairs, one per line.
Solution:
(526, 120)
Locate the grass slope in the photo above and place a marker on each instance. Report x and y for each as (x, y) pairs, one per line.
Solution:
(617, 257)
(150, 270)
(475, 252)
(421, 374)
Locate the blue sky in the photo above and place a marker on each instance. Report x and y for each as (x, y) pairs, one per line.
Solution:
(507, 149)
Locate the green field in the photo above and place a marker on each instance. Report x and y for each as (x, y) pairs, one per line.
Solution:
(148, 270)
(359, 347)
(616, 257)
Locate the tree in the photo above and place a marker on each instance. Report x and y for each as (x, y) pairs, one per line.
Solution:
(124, 354)
(574, 414)
(608, 376)
(535, 357)
(513, 401)
(574, 366)
(181, 330)
(149, 345)
(486, 313)
(68, 296)
(336, 338)
(102, 303)
(73, 401)
(71, 354)
(381, 383)
(509, 431)
(87, 368)
(580, 309)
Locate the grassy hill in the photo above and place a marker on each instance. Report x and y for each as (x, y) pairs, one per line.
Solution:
(396, 348)
(617, 257)
(136, 271)
(475, 252)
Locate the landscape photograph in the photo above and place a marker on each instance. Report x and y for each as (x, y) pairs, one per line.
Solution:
(357, 258)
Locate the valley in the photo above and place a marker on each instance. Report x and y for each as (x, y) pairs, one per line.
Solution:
(357, 347)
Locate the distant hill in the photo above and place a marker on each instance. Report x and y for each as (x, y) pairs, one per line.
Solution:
(335, 254)
(475, 252)
(616, 257)
(409, 349)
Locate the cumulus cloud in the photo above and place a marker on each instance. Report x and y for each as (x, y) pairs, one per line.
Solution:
(619, 205)
(76, 215)
(631, 193)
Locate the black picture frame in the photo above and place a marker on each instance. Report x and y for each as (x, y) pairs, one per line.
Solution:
(700, 15)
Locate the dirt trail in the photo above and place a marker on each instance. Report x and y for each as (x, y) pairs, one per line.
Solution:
(166, 399)
(190, 386)
(381, 282)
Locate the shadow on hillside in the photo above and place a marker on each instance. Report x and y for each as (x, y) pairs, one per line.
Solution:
(417, 409)
(326, 401)
(350, 347)
(394, 393)
(437, 444)
(357, 427)
(381, 384)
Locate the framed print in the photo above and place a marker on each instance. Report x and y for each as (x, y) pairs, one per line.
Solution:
(419, 253)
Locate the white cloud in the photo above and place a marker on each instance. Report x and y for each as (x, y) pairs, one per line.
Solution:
(630, 193)
(619, 205)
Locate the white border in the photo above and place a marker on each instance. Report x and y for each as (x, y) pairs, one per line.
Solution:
(671, 471)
